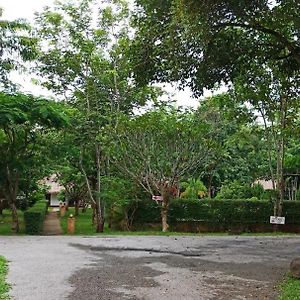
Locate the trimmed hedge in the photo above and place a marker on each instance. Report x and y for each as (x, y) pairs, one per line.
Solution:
(221, 212)
(34, 217)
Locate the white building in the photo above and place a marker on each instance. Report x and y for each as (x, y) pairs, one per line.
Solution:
(266, 184)
(53, 189)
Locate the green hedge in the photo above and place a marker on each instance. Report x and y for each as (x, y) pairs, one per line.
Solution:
(214, 211)
(34, 217)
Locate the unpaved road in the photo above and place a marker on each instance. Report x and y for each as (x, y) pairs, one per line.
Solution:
(111, 268)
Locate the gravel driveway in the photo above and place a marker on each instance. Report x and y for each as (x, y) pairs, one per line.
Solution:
(156, 267)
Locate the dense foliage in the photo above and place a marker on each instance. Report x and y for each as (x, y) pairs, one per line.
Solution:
(201, 43)
(25, 121)
(34, 217)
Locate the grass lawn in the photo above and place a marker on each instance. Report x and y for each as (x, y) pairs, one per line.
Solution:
(5, 222)
(290, 289)
(83, 226)
(4, 287)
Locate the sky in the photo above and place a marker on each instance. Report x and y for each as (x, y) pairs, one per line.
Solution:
(25, 9)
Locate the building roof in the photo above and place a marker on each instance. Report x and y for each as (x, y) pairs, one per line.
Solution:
(52, 183)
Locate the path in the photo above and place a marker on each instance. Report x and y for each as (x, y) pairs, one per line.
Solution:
(147, 267)
(52, 224)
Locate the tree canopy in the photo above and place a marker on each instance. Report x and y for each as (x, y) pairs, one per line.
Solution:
(204, 43)
(24, 119)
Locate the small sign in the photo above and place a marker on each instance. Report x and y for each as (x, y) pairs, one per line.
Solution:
(157, 198)
(277, 220)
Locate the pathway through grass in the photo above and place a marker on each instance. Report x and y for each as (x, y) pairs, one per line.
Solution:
(4, 287)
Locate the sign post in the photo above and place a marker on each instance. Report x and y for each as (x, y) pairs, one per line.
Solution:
(277, 220)
(157, 198)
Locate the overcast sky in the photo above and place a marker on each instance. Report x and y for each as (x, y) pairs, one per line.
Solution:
(14, 9)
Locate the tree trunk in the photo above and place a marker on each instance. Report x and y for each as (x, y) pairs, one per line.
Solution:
(1, 207)
(269, 145)
(99, 203)
(15, 219)
(95, 198)
(281, 183)
(99, 219)
(94, 214)
(110, 218)
(165, 211)
(76, 204)
(280, 158)
(12, 185)
(209, 189)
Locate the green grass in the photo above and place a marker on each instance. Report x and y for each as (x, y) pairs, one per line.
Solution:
(290, 289)
(5, 222)
(83, 226)
(4, 287)
(83, 222)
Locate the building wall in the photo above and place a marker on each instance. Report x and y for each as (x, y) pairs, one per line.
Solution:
(267, 184)
(54, 200)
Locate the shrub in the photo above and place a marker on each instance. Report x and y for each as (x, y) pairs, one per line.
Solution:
(193, 188)
(26, 201)
(148, 211)
(240, 190)
(270, 195)
(34, 217)
(221, 212)
(298, 194)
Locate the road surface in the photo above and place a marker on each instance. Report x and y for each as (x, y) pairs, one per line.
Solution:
(147, 267)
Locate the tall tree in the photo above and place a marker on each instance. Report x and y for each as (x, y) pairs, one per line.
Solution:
(85, 61)
(23, 120)
(274, 95)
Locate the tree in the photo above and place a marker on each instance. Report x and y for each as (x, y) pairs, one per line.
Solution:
(122, 197)
(17, 45)
(85, 61)
(238, 151)
(24, 119)
(75, 187)
(158, 148)
(204, 43)
(249, 45)
(274, 95)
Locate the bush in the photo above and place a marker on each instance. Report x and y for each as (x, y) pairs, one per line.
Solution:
(221, 212)
(298, 194)
(148, 211)
(240, 190)
(193, 188)
(24, 202)
(34, 217)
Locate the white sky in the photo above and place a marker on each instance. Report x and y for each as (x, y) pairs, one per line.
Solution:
(25, 9)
